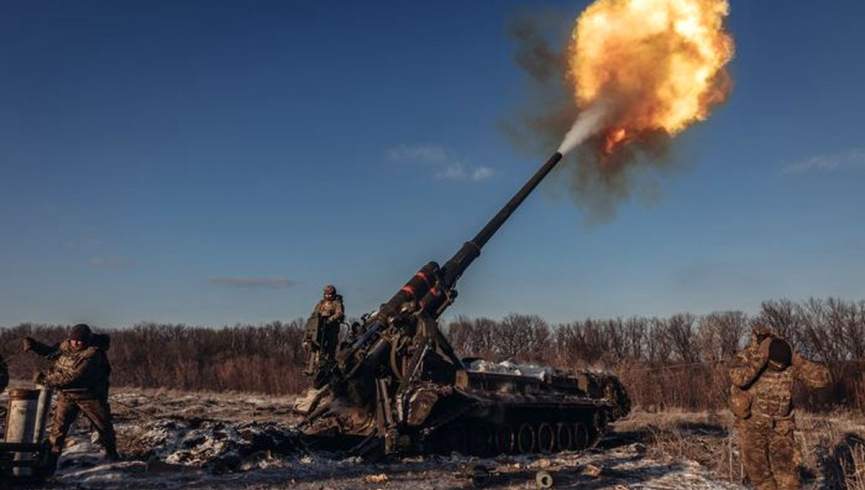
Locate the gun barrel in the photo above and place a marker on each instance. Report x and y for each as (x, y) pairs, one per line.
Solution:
(432, 285)
(423, 286)
(499, 219)
(458, 264)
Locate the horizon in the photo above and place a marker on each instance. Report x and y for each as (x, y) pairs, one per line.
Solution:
(446, 320)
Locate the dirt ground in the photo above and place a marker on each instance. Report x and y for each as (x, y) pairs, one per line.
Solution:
(228, 440)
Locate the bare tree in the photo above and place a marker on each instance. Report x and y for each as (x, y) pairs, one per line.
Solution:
(679, 333)
(781, 317)
(720, 334)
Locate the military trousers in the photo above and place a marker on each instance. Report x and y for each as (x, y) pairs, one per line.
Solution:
(768, 451)
(4, 375)
(96, 410)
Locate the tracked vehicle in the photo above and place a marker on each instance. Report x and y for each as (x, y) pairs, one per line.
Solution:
(399, 387)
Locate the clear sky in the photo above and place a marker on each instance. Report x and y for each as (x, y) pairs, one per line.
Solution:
(218, 162)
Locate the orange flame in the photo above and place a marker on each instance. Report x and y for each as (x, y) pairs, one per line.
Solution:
(660, 64)
(613, 137)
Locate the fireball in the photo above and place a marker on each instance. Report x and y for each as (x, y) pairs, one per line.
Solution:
(657, 65)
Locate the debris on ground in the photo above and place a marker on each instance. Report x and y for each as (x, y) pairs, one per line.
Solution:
(379, 478)
(592, 471)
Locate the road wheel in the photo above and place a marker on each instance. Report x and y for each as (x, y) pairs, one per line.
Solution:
(546, 438)
(564, 437)
(504, 439)
(526, 439)
(581, 436)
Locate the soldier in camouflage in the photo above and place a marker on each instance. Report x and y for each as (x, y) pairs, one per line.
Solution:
(322, 330)
(79, 373)
(761, 399)
(4, 375)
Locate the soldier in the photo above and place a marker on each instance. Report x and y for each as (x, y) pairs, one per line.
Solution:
(79, 373)
(761, 399)
(322, 331)
(4, 375)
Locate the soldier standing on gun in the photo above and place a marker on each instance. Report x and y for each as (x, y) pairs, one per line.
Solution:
(761, 399)
(322, 331)
(79, 373)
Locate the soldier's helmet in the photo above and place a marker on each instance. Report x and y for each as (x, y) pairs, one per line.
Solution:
(81, 332)
(329, 292)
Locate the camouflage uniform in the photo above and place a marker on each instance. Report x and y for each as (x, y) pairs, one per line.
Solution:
(322, 331)
(761, 399)
(4, 375)
(81, 380)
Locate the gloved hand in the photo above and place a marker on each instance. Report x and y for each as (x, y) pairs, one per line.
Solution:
(27, 344)
(39, 378)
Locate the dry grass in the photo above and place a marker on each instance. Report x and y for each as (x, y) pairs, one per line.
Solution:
(854, 472)
(704, 437)
(831, 446)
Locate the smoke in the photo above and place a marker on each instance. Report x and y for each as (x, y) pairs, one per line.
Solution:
(641, 72)
(596, 183)
(587, 123)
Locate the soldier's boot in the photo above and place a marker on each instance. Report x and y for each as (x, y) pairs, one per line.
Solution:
(112, 455)
(56, 443)
(50, 466)
(109, 446)
(109, 449)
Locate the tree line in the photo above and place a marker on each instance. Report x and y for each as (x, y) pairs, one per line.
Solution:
(682, 360)
(264, 358)
(675, 361)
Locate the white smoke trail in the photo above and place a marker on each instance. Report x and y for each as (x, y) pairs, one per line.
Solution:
(587, 123)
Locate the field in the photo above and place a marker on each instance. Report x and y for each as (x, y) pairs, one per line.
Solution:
(176, 439)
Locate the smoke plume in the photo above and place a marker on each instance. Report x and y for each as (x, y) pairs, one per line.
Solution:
(549, 113)
(628, 77)
(588, 122)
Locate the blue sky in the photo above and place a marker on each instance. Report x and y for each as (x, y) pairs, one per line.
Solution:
(218, 162)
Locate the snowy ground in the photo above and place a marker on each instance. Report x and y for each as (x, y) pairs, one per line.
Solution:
(193, 440)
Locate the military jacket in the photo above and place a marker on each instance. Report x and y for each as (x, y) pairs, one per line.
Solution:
(757, 389)
(4, 375)
(330, 308)
(83, 373)
(326, 315)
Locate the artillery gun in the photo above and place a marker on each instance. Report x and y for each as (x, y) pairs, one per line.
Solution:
(399, 387)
